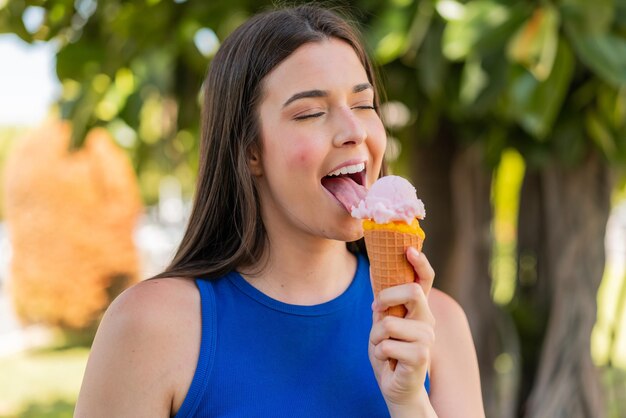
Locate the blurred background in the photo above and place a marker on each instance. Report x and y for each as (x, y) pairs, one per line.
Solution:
(509, 117)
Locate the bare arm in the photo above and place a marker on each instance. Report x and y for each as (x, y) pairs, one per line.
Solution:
(408, 340)
(451, 358)
(455, 380)
(143, 357)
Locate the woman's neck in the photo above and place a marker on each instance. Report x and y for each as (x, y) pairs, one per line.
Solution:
(304, 274)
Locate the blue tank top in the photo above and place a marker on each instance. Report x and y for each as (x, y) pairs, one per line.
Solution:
(263, 358)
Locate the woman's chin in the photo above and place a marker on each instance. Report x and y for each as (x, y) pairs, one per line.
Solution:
(353, 231)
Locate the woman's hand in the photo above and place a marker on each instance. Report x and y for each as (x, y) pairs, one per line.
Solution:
(407, 340)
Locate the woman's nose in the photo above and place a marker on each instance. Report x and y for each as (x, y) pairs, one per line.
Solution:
(349, 129)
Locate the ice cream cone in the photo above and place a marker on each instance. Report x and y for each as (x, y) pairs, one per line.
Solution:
(390, 213)
(386, 248)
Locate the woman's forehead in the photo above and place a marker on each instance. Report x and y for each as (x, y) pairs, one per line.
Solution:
(325, 65)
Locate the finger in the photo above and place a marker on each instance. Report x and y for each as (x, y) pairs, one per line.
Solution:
(412, 296)
(377, 314)
(401, 329)
(423, 270)
(409, 355)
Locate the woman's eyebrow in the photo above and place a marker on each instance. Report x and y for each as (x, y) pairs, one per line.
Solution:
(360, 87)
(323, 93)
(305, 95)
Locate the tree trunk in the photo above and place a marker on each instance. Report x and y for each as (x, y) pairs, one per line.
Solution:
(455, 186)
(469, 266)
(532, 298)
(576, 208)
(432, 178)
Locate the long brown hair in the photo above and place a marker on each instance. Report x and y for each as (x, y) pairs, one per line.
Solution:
(225, 229)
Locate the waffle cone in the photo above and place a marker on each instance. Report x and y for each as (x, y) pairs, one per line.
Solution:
(389, 267)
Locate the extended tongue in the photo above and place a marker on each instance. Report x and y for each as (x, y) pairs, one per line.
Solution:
(345, 190)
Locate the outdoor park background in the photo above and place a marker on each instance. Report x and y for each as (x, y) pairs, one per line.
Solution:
(509, 116)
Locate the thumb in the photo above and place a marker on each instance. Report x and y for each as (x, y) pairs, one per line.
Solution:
(424, 273)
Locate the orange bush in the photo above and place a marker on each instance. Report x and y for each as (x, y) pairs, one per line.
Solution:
(70, 218)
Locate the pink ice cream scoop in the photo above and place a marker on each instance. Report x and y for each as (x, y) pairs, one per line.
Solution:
(391, 198)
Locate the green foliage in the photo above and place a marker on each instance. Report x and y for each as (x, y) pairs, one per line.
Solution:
(548, 77)
(535, 103)
(606, 55)
(479, 27)
(529, 68)
(136, 69)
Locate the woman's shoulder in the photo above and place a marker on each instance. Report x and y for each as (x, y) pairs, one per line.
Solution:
(159, 313)
(158, 306)
(145, 350)
(445, 309)
(157, 298)
(451, 323)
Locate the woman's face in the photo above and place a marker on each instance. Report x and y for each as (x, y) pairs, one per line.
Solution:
(317, 117)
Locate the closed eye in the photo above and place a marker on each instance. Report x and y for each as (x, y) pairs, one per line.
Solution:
(318, 114)
(309, 116)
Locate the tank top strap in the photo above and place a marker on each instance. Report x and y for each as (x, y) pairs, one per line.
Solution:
(207, 350)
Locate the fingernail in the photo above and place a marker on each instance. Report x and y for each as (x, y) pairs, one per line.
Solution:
(414, 251)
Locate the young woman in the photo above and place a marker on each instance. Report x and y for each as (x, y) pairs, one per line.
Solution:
(265, 310)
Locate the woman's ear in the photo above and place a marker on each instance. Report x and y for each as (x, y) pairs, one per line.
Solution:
(254, 162)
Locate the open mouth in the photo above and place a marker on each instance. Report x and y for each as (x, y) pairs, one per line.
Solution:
(347, 184)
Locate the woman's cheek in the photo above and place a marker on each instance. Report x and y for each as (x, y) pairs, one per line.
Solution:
(377, 145)
(301, 157)
(380, 134)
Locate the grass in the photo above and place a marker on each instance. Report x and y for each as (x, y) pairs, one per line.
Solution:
(41, 383)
